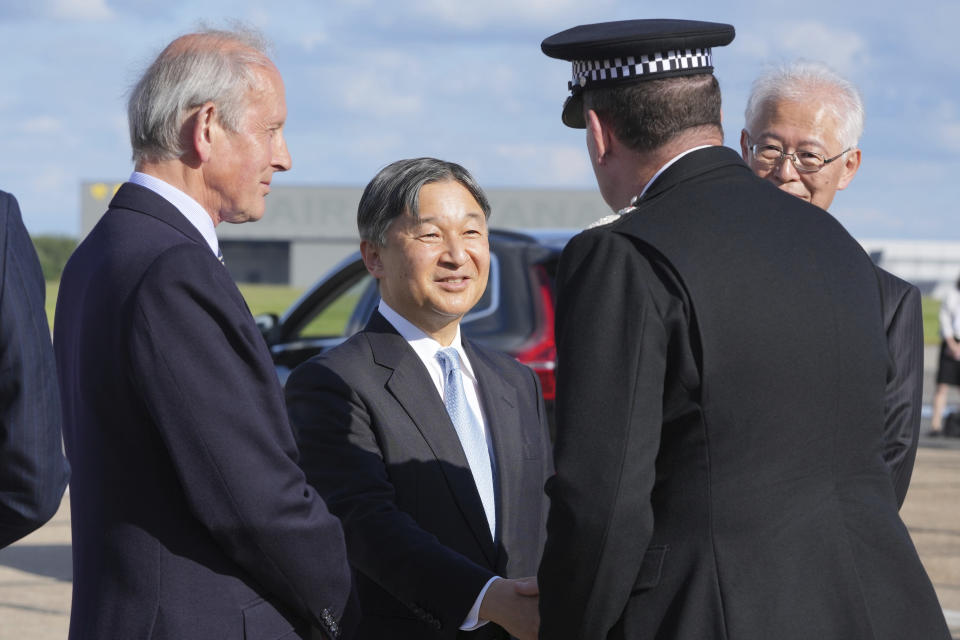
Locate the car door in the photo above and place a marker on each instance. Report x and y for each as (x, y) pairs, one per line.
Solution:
(334, 309)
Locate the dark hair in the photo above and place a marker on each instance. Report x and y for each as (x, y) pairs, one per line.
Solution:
(396, 189)
(646, 115)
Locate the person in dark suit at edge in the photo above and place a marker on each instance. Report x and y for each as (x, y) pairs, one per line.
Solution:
(803, 126)
(432, 449)
(722, 371)
(33, 471)
(191, 517)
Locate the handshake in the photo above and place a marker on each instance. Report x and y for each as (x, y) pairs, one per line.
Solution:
(514, 605)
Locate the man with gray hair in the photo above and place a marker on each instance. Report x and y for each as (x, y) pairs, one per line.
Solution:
(431, 448)
(808, 114)
(191, 517)
(811, 115)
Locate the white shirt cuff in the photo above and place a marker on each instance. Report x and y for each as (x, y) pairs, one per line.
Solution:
(473, 621)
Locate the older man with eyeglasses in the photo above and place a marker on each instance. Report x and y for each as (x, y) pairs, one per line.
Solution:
(803, 124)
(811, 115)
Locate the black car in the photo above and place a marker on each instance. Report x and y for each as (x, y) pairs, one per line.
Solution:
(515, 314)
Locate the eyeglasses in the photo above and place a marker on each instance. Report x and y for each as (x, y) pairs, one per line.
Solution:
(771, 155)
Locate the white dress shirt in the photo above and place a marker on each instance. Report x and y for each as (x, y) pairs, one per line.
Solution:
(667, 166)
(190, 208)
(950, 315)
(426, 349)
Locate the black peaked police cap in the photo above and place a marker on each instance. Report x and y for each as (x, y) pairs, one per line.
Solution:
(614, 53)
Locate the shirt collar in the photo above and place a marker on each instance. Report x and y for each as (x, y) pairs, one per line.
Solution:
(190, 208)
(424, 346)
(665, 167)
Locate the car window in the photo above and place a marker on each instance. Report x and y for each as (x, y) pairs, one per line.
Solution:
(331, 318)
(505, 316)
(489, 302)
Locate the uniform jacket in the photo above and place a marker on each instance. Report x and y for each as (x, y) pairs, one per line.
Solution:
(33, 471)
(723, 369)
(191, 517)
(377, 443)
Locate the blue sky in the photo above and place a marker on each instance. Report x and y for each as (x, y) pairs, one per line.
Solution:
(370, 82)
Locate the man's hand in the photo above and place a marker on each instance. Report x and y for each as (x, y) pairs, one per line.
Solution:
(514, 605)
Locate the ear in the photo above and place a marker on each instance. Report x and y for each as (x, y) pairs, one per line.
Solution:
(204, 123)
(850, 165)
(371, 258)
(744, 147)
(599, 140)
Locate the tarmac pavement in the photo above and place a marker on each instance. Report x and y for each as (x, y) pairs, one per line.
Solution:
(35, 582)
(36, 572)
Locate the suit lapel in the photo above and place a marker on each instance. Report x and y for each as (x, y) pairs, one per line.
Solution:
(500, 406)
(410, 385)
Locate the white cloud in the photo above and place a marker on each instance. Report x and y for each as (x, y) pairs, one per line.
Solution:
(372, 95)
(846, 50)
(843, 49)
(120, 127)
(950, 136)
(51, 179)
(944, 126)
(380, 83)
(41, 125)
(81, 10)
(309, 41)
(554, 165)
(935, 127)
(374, 146)
(477, 15)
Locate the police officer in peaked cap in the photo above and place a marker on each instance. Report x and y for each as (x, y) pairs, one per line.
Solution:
(721, 376)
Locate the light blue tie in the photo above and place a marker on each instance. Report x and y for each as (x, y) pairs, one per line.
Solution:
(470, 431)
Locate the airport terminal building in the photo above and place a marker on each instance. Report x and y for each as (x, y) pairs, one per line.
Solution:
(308, 229)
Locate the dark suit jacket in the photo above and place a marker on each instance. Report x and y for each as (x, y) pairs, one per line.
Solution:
(377, 443)
(721, 401)
(191, 517)
(33, 471)
(903, 323)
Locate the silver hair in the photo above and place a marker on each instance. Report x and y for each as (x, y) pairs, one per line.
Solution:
(218, 66)
(805, 80)
(396, 189)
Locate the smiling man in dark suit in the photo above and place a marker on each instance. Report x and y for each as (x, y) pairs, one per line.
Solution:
(803, 126)
(432, 449)
(191, 518)
(721, 387)
(33, 471)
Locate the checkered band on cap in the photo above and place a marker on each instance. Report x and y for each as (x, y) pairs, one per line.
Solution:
(598, 71)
